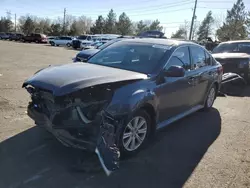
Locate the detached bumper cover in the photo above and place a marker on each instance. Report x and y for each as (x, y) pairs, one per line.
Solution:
(63, 135)
(232, 84)
(105, 145)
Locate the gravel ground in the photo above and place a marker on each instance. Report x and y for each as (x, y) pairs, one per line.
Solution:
(206, 149)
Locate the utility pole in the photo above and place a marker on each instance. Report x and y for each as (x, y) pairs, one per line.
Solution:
(64, 20)
(192, 23)
(15, 22)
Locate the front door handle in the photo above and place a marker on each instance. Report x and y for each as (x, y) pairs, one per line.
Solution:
(191, 80)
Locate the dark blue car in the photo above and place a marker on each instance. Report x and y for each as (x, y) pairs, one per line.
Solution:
(126, 91)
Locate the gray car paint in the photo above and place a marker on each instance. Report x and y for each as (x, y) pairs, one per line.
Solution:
(165, 97)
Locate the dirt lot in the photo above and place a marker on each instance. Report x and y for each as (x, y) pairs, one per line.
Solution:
(203, 150)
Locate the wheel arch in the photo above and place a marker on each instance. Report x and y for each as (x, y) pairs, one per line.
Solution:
(151, 112)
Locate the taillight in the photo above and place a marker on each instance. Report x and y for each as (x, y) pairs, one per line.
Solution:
(220, 70)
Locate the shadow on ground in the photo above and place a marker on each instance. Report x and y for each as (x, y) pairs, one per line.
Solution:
(35, 159)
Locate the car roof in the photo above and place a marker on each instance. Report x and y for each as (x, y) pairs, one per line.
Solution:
(168, 42)
(235, 41)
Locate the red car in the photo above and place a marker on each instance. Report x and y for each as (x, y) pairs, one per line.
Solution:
(35, 37)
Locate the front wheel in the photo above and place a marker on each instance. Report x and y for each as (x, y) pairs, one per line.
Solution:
(210, 98)
(68, 44)
(135, 133)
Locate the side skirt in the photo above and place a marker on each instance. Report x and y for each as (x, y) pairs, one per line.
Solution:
(178, 117)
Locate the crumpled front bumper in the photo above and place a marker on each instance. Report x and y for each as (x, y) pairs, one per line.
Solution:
(62, 134)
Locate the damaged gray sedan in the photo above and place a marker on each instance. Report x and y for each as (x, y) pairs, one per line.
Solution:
(115, 101)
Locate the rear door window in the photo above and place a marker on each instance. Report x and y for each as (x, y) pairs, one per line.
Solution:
(198, 57)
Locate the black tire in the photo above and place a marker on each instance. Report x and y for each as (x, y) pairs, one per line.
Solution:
(140, 113)
(210, 98)
(52, 43)
(68, 44)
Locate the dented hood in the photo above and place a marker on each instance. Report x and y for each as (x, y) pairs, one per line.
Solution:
(68, 78)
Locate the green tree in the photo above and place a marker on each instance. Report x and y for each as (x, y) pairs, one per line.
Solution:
(98, 27)
(44, 26)
(155, 25)
(73, 31)
(56, 29)
(110, 26)
(235, 26)
(124, 25)
(180, 33)
(28, 26)
(141, 27)
(205, 29)
(6, 25)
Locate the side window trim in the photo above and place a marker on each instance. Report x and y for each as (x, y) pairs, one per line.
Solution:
(190, 58)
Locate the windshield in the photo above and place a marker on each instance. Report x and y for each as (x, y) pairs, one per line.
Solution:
(138, 57)
(243, 47)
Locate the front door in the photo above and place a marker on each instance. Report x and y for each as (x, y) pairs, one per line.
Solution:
(175, 93)
(202, 73)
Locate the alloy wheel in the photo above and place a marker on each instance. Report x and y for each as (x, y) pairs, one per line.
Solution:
(134, 133)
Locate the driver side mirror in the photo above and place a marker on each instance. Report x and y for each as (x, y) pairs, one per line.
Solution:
(175, 71)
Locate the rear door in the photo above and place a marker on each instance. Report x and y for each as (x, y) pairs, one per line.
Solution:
(202, 73)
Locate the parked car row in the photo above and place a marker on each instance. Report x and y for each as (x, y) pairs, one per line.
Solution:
(33, 37)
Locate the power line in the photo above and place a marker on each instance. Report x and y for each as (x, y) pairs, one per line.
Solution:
(161, 6)
(158, 12)
(173, 4)
(215, 8)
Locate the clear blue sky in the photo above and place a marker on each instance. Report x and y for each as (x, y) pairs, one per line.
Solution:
(171, 13)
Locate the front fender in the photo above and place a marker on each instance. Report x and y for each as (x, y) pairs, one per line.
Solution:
(129, 104)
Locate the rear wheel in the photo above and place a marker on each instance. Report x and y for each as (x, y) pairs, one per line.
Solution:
(135, 133)
(52, 44)
(68, 44)
(210, 98)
